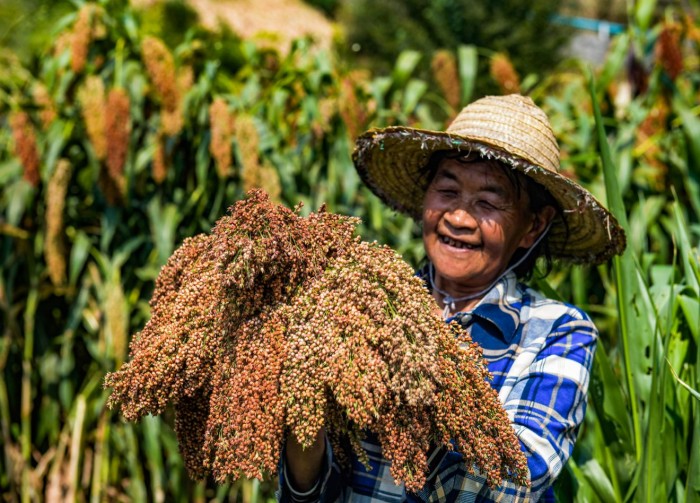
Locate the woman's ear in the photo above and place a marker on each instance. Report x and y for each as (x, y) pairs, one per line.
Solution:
(540, 221)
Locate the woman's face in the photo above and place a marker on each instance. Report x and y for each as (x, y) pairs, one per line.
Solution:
(473, 221)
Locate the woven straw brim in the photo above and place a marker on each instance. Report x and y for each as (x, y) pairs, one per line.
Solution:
(392, 161)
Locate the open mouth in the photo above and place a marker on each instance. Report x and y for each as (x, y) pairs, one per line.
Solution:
(457, 244)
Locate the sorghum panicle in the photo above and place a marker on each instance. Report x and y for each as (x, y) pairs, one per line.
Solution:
(248, 140)
(81, 36)
(350, 108)
(93, 104)
(221, 123)
(444, 67)
(504, 73)
(25, 147)
(275, 324)
(159, 167)
(668, 50)
(117, 129)
(45, 103)
(160, 66)
(55, 246)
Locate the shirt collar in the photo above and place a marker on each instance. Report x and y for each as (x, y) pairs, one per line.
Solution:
(500, 306)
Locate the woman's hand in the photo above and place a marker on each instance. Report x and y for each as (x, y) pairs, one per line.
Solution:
(304, 465)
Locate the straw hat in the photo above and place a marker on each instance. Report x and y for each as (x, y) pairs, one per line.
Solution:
(512, 129)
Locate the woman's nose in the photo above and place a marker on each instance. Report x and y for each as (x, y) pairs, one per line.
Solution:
(460, 217)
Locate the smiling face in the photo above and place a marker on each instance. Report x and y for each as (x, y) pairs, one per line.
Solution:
(474, 219)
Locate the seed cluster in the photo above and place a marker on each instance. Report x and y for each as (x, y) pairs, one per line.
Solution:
(277, 324)
(25, 147)
(221, 123)
(350, 108)
(255, 172)
(117, 129)
(668, 51)
(81, 37)
(446, 74)
(54, 241)
(45, 104)
(505, 74)
(93, 104)
(160, 65)
(159, 167)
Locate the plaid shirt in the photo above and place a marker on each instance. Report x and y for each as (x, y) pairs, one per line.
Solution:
(539, 352)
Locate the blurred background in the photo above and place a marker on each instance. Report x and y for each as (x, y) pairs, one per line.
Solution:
(127, 127)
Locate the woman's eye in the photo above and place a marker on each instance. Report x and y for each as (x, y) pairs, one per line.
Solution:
(487, 204)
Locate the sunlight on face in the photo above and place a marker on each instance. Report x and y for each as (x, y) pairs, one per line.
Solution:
(474, 219)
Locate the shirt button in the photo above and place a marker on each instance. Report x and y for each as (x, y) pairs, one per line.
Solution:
(466, 318)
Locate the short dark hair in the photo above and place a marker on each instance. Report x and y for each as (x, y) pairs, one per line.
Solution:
(538, 196)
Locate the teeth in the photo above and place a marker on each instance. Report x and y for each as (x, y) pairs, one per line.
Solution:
(456, 244)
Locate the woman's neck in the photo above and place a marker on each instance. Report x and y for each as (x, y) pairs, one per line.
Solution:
(459, 306)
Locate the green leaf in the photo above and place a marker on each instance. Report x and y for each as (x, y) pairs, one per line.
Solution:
(691, 309)
(403, 69)
(691, 127)
(137, 486)
(643, 13)
(77, 434)
(57, 136)
(693, 483)
(608, 398)
(131, 26)
(164, 221)
(154, 456)
(78, 255)
(642, 218)
(599, 481)
(10, 170)
(690, 258)
(467, 62)
(585, 492)
(110, 221)
(251, 91)
(376, 215)
(123, 253)
(415, 89)
(380, 87)
(543, 286)
(20, 195)
(614, 61)
(636, 335)
(694, 393)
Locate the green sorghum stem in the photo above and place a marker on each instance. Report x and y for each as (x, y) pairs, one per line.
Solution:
(26, 410)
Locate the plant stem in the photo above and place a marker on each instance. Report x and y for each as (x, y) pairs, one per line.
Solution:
(75, 447)
(101, 455)
(26, 410)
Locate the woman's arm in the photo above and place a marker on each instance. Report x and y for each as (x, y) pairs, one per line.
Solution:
(310, 475)
(544, 393)
(304, 465)
(546, 398)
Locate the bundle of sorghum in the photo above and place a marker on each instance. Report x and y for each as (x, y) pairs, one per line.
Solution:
(277, 324)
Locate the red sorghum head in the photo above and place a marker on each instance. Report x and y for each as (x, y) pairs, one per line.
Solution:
(275, 323)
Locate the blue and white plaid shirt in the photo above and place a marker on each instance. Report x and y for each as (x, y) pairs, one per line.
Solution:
(540, 353)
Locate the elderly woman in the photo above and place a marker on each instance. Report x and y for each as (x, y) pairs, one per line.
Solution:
(490, 202)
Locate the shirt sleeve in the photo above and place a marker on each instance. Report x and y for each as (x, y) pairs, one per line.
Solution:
(546, 400)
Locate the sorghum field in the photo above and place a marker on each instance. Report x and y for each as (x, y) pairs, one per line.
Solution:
(115, 148)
